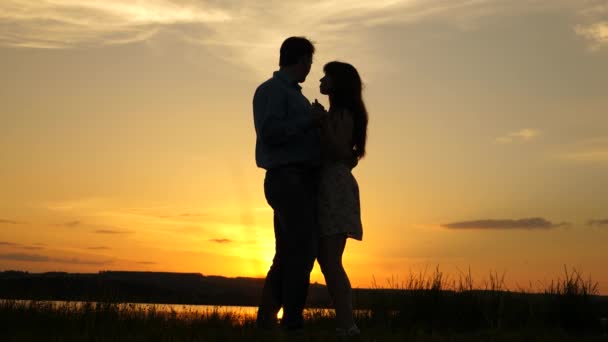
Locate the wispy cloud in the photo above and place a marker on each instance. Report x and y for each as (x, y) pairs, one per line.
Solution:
(25, 257)
(339, 23)
(595, 8)
(594, 150)
(599, 155)
(111, 231)
(192, 215)
(5, 243)
(77, 205)
(171, 219)
(44, 258)
(67, 23)
(594, 28)
(18, 245)
(596, 34)
(523, 135)
(183, 216)
(526, 223)
(147, 263)
(98, 248)
(99, 229)
(220, 240)
(245, 31)
(32, 248)
(602, 222)
(6, 221)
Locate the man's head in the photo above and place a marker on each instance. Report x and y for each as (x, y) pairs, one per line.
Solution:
(296, 57)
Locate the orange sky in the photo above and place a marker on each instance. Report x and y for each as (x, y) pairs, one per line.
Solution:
(128, 140)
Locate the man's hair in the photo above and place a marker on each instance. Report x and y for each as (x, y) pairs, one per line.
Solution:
(294, 48)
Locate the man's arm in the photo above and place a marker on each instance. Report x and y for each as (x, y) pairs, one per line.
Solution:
(273, 125)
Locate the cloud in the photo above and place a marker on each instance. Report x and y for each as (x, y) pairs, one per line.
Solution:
(183, 217)
(599, 155)
(99, 248)
(526, 223)
(4, 243)
(182, 221)
(596, 34)
(192, 215)
(78, 205)
(17, 245)
(147, 263)
(603, 222)
(44, 258)
(32, 247)
(220, 240)
(594, 24)
(593, 150)
(5, 221)
(241, 32)
(25, 257)
(99, 229)
(73, 224)
(111, 231)
(340, 23)
(68, 23)
(598, 8)
(523, 135)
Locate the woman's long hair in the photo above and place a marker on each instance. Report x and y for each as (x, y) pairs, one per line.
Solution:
(347, 94)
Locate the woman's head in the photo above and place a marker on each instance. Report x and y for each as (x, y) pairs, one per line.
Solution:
(340, 80)
(343, 85)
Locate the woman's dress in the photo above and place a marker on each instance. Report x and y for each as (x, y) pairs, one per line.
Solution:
(339, 203)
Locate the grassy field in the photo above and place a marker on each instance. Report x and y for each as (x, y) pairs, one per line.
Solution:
(426, 308)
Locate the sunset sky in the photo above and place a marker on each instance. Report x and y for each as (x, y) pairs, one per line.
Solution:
(127, 139)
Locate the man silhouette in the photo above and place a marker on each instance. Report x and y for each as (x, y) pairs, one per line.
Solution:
(288, 147)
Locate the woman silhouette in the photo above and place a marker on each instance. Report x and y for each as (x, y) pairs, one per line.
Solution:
(343, 137)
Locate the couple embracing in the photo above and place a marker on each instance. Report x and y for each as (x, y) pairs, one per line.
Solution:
(308, 153)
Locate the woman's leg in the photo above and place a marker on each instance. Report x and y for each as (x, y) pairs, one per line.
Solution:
(330, 259)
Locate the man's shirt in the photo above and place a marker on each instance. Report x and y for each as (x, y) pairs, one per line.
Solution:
(285, 131)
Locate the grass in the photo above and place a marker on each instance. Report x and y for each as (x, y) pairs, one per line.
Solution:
(424, 307)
